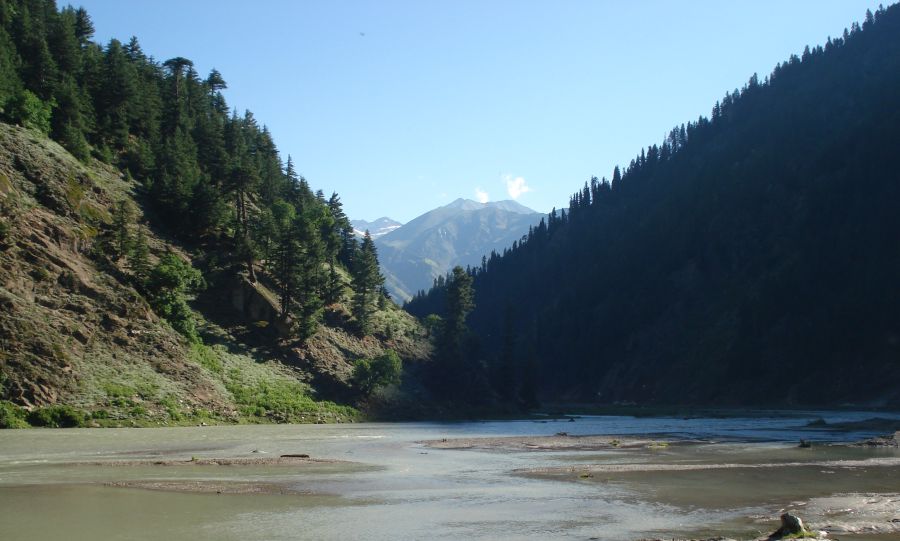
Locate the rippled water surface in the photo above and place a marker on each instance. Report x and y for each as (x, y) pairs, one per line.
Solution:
(390, 486)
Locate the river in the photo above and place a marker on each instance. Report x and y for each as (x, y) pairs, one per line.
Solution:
(732, 476)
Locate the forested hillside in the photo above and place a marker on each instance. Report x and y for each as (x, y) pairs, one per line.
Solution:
(165, 204)
(214, 177)
(750, 258)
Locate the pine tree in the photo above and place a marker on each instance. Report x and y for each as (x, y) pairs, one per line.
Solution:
(177, 102)
(243, 181)
(367, 280)
(139, 262)
(84, 27)
(460, 302)
(117, 91)
(457, 372)
(123, 218)
(312, 282)
(286, 257)
(10, 83)
(334, 287)
(293, 183)
(337, 227)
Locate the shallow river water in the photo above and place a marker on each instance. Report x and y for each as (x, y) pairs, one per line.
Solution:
(383, 483)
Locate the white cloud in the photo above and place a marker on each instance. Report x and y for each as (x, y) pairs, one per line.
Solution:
(516, 186)
(481, 195)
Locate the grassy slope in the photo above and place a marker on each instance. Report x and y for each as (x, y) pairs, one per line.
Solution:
(74, 333)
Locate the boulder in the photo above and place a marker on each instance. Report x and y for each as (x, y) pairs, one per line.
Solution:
(792, 525)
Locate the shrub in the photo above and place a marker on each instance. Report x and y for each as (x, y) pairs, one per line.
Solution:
(73, 140)
(74, 193)
(4, 232)
(378, 372)
(58, 416)
(115, 390)
(40, 274)
(206, 357)
(168, 284)
(138, 411)
(433, 324)
(29, 111)
(282, 400)
(11, 415)
(171, 404)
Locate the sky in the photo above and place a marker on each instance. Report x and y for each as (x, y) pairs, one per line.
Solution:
(404, 106)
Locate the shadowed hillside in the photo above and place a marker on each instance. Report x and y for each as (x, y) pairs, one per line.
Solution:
(751, 258)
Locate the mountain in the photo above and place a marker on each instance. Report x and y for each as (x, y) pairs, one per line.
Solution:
(378, 228)
(459, 233)
(159, 261)
(749, 259)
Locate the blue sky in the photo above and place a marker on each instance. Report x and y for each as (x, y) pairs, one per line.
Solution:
(401, 107)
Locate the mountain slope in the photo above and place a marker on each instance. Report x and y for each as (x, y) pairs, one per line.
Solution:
(166, 212)
(459, 233)
(749, 259)
(75, 331)
(377, 228)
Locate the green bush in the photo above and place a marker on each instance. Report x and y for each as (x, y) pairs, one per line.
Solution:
(58, 416)
(172, 408)
(283, 400)
(74, 193)
(206, 357)
(378, 372)
(11, 415)
(29, 111)
(138, 411)
(168, 284)
(115, 390)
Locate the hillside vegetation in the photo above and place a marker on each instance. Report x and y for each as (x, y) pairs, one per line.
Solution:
(75, 331)
(161, 263)
(751, 258)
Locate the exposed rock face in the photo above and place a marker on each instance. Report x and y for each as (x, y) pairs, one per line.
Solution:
(256, 304)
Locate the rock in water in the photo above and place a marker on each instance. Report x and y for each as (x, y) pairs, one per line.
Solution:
(790, 525)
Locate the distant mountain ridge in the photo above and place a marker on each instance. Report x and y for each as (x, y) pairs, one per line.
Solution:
(377, 228)
(459, 233)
